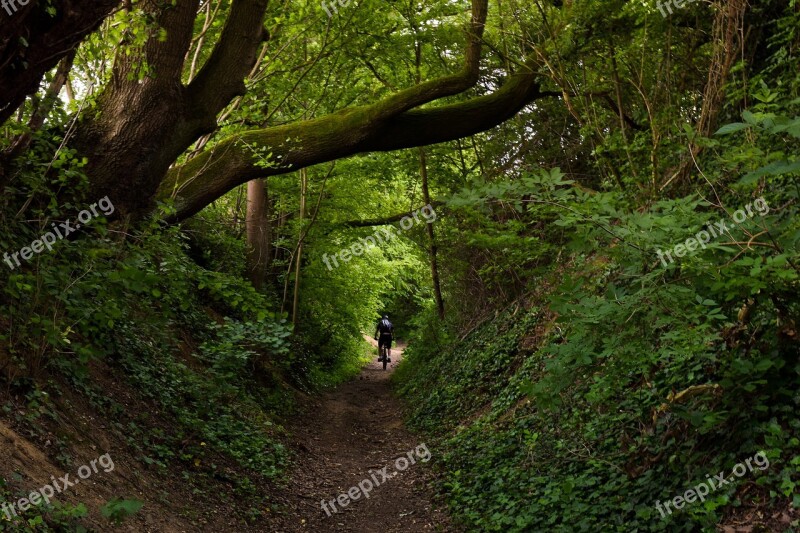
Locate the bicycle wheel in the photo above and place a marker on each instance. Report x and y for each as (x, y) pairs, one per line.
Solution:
(385, 358)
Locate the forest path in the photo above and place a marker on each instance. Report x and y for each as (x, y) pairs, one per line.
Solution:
(346, 437)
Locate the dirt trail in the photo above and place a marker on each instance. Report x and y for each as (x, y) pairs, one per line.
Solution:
(345, 437)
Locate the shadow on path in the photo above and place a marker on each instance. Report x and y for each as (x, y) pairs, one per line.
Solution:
(344, 437)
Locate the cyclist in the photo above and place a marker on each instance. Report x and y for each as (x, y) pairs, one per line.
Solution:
(386, 331)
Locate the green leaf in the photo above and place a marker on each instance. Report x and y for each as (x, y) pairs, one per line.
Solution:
(731, 128)
(775, 168)
(117, 509)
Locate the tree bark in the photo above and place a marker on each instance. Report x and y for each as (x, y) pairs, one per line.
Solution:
(141, 126)
(258, 231)
(49, 38)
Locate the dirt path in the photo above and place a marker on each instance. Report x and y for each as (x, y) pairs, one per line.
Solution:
(349, 436)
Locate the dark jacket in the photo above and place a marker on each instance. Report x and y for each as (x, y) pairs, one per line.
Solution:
(385, 328)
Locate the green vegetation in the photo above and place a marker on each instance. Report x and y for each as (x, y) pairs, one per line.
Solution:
(616, 380)
(586, 341)
(613, 380)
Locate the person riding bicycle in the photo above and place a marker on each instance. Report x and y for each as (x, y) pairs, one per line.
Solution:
(386, 331)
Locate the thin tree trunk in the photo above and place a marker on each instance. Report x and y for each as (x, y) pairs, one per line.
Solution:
(43, 107)
(297, 252)
(299, 255)
(437, 288)
(272, 232)
(728, 42)
(259, 232)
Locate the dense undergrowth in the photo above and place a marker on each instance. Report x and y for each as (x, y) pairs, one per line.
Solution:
(618, 380)
(606, 356)
(598, 357)
(168, 313)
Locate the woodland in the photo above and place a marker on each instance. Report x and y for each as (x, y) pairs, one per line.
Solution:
(580, 216)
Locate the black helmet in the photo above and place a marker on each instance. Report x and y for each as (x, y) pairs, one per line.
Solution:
(386, 317)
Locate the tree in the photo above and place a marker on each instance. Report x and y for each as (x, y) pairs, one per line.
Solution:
(143, 123)
(432, 248)
(36, 37)
(146, 116)
(258, 228)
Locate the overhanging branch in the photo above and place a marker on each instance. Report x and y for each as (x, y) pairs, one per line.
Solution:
(239, 158)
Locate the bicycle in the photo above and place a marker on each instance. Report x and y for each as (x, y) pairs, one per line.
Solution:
(383, 355)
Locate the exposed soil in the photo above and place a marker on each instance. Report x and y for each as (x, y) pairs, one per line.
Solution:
(29, 460)
(345, 437)
(339, 438)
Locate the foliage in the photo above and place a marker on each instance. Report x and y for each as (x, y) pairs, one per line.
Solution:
(203, 346)
(580, 398)
(118, 510)
(576, 379)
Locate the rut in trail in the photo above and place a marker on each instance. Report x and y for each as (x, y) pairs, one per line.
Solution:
(342, 436)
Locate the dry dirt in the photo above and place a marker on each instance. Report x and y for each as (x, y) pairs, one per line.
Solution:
(343, 437)
(339, 438)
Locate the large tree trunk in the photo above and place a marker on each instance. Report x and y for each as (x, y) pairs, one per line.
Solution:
(141, 126)
(49, 38)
